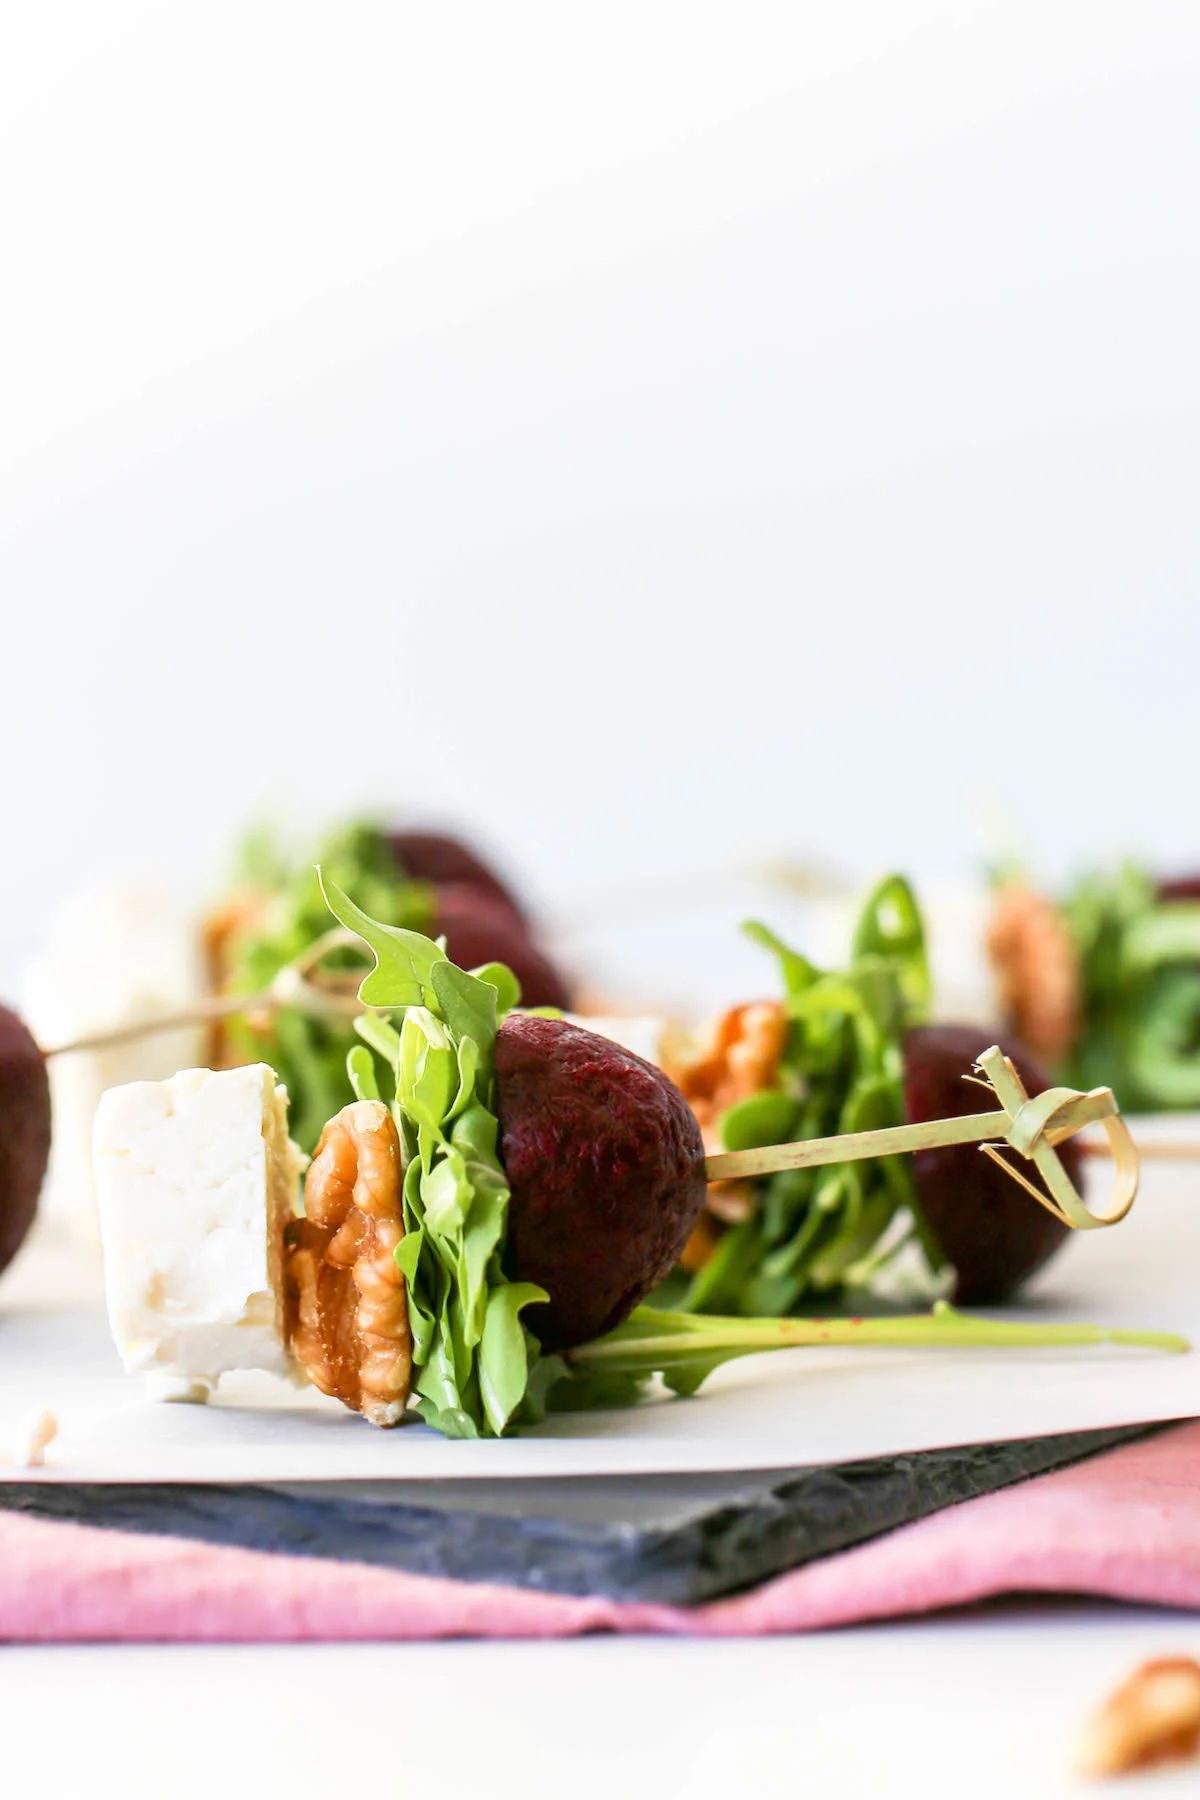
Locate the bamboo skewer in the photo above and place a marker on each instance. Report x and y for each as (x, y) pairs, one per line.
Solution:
(1152, 1150)
(896, 1140)
(322, 995)
(1031, 1129)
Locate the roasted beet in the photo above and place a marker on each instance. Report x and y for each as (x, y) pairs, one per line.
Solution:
(433, 856)
(1179, 887)
(477, 930)
(24, 1131)
(990, 1231)
(606, 1166)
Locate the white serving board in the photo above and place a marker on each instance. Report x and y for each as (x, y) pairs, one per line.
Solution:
(794, 1407)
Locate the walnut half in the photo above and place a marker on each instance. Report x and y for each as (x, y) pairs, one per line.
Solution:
(1154, 1717)
(739, 1056)
(1036, 966)
(347, 1309)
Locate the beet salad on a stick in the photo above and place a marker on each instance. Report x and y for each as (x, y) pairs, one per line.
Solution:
(479, 1228)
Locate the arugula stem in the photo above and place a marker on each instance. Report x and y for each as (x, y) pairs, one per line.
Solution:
(689, 1336)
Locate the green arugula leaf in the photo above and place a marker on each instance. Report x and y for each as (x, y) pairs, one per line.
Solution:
(683, 1350)
(767, 1118)
(504, 1356)
(428, 1067)
(841, 1071)
(404, 960)
(1139, 968)
(482, 1238)
(468, 1004)
(798, 973)
(470, 1068)
(508, 988)
(380, 1034)
(890, 926)
(360, 1065)
(279, 912)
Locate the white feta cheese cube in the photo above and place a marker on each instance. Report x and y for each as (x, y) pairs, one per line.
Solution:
(196, 1179)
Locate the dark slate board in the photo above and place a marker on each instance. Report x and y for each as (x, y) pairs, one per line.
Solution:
(681, 1538)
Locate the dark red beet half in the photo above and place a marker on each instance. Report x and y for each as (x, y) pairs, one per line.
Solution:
(438, 858)
(1179, 887)
(24, 1131)
(992, 1233)
(606, 1165)
(478, 930)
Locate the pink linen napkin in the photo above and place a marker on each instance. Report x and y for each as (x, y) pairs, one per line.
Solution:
(1125, 1525)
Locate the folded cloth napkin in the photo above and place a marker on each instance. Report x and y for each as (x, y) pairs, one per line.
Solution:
(1125, 1525)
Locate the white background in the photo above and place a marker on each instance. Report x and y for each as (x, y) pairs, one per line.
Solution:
(657, 435)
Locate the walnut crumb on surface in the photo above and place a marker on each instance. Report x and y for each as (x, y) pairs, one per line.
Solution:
(1151, 1719)
(32, 1439)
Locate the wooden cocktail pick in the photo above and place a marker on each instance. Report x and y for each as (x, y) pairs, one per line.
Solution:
(323, 993)
(1019, 1128)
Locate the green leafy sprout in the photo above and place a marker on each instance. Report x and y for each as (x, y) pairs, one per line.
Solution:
(286, 912)
(815, 1232)
(1139, 965)
(429, 1055)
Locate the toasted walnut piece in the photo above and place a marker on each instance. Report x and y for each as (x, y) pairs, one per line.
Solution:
(33, 1438)
(218, 932)
(739, 1056)
(732, 1202)
(1037, 970)
(347, 1310)
(1154, 1717)
(706, 1235)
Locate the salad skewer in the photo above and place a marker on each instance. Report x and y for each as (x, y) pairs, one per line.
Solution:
(845, 1051)
(481, 1224)
(841, 1052)
(1107, 977)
